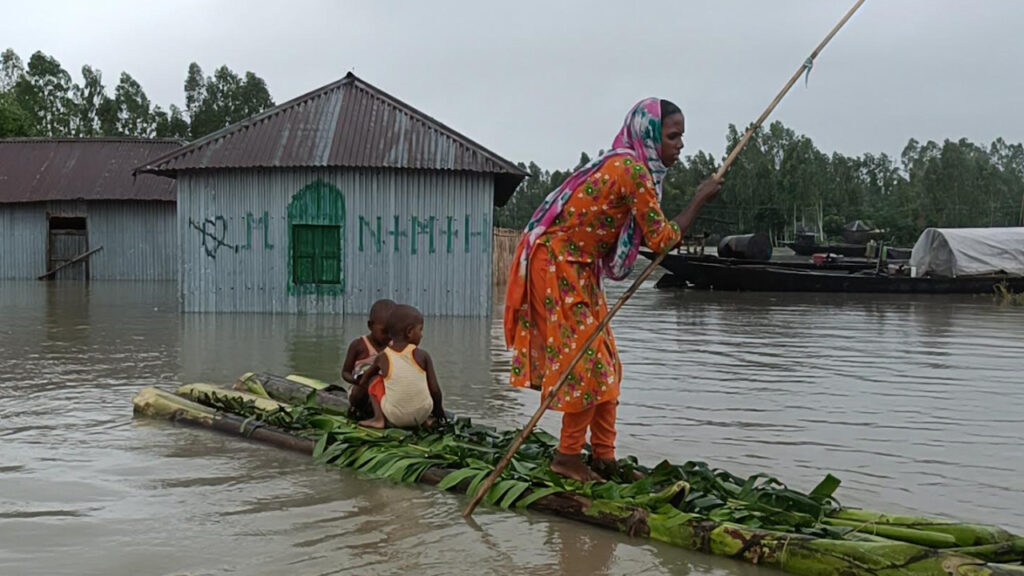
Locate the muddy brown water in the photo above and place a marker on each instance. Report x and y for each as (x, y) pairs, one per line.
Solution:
(916, 403)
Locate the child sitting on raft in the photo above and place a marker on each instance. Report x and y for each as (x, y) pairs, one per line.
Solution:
(363, 351)
(407, 395)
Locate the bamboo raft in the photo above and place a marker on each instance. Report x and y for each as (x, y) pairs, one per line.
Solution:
(757, 519)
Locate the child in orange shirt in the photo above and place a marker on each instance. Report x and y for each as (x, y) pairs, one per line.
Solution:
(363, 351)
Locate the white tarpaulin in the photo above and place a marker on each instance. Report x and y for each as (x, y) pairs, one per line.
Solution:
(952, 252)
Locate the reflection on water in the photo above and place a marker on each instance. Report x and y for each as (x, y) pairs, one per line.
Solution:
(916, 403)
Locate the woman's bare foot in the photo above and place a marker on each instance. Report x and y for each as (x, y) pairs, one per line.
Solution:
(609, 468)
(574, 468)
(375, 422)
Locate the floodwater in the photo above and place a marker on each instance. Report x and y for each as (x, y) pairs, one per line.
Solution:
(916, 403)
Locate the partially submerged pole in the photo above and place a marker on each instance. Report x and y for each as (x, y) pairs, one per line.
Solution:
(78, 258)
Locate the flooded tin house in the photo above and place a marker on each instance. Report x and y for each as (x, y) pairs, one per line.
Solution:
(331, 201)
(73, 206)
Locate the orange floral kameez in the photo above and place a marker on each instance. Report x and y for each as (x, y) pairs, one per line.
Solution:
(555, 306)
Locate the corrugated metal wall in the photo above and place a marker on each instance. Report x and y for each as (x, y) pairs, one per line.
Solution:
(233, 231)
(139, 239)
(23, 231)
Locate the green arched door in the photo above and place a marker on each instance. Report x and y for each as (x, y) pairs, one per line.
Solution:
(316, 233)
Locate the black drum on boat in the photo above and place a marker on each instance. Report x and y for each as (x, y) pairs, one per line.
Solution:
(746, 247)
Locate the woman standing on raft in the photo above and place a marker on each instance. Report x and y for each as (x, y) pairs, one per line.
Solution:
(587, 229)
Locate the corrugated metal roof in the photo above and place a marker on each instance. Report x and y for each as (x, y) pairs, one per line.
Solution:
(348, 123)
(40, 169)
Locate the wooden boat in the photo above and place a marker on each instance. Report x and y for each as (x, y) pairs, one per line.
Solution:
(757, 519)
(807, 249)
(682, 262)
(844, 249)
(776, 278)
(947, 261)
(856, 245)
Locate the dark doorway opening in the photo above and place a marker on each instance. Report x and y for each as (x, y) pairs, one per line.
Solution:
(68, 238)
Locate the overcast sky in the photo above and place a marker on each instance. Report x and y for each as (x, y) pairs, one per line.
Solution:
(545, 80)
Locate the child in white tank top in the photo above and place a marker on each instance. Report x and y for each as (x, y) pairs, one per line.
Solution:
(411, 396)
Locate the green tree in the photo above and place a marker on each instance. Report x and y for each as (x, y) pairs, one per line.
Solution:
(526, 199)
(133, 110)
(56, 106)
(107, 115)
(14, 122)
(11, 69)
(195, 86)
(751, 181)
(252, 97)
(680, 184)
(170, 124)
(44, 92)
(88, 98)
(222, 99)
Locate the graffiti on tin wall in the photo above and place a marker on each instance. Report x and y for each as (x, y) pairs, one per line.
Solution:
(415, 235)
(418, 235)
(214, 233)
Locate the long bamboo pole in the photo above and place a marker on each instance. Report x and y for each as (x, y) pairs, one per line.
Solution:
(553, 393)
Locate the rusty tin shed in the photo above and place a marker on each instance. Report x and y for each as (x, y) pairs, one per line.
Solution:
(60, 198)
(333, 200)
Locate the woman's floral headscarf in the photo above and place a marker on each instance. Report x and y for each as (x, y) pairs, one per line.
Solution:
(640, 136)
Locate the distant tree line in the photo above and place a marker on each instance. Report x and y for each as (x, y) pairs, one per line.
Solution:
(41, 99)
(782, 183)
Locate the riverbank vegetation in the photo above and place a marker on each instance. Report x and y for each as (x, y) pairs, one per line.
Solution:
(782, 182)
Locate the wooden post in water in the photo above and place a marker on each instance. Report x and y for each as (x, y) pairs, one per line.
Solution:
(503, 250)
(503, 463)
(78, 258)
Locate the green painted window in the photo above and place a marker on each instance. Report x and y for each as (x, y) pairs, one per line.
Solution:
(316, 233)
(316, 254)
